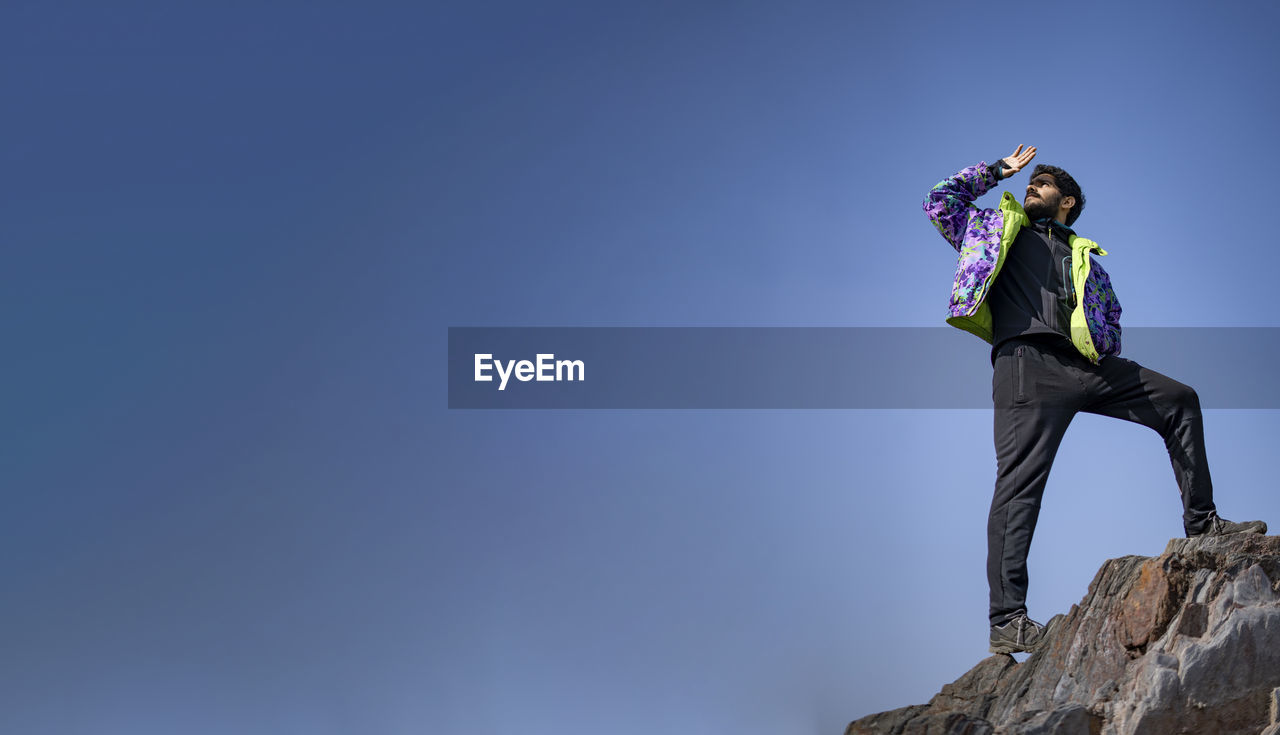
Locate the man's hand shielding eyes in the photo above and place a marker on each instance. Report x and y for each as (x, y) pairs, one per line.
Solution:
(1016, 161)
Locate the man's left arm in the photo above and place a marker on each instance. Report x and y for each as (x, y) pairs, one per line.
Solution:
(1106, 314)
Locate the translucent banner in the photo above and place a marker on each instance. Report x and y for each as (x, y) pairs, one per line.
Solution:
(808, 367)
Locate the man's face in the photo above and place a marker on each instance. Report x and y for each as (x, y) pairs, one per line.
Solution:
(1043, 198)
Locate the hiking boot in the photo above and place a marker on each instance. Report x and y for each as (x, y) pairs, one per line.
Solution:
(1020, 635)
(1222, 527)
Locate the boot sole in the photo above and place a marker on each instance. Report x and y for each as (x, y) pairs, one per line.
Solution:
(1260, 531)
(1012, 648)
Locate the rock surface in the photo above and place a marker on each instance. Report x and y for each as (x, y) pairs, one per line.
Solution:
(1187, 642)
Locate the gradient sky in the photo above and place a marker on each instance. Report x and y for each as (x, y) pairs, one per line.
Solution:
(235, 235)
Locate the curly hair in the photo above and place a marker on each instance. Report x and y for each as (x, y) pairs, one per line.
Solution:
(1066, 185)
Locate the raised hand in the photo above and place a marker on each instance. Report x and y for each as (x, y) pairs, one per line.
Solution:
(1016, 160)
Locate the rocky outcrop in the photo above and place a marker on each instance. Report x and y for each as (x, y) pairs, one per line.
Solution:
(1187, 642)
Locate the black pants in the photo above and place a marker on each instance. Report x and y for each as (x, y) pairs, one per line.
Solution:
(1038, 387)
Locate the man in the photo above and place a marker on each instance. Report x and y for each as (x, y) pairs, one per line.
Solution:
(1027, 284)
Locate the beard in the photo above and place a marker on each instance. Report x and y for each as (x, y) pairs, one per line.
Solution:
(1040, 209)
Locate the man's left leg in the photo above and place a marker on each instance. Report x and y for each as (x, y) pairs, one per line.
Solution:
(1124, 389)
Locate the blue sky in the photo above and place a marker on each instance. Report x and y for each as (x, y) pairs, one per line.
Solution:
(236, 234)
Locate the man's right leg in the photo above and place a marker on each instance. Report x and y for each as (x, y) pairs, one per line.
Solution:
(1035, 398)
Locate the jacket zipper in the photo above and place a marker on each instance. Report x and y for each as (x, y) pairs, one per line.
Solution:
(1049, 227)
(1068, 280)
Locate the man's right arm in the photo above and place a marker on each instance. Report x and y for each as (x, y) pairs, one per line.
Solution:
(950, 203)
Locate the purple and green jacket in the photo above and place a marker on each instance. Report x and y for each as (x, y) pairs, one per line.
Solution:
(983, 238)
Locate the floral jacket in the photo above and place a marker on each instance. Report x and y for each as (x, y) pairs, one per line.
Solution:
(983, 238)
